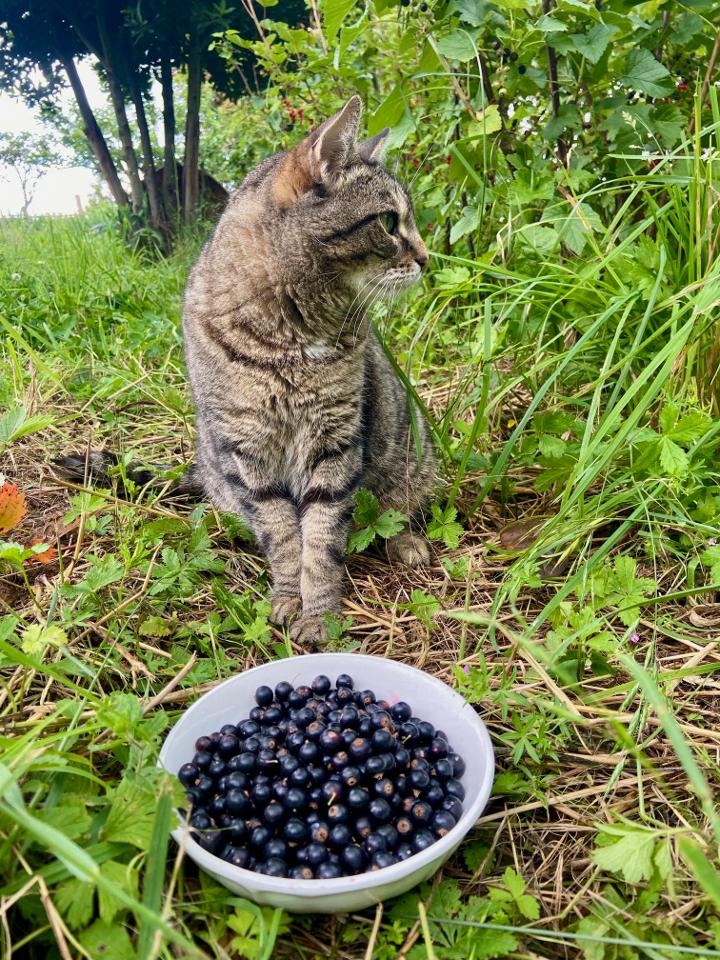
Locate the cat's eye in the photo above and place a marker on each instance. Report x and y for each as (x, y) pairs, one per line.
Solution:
(389, 221)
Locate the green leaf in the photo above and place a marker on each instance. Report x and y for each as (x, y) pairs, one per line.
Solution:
(389, 113)
(424, 607)
(552, 447)
(103, 572)
(711, 559)
(528, 906)
(458, 45)
(108, 940)
(550, 24)
(592, 927)
(487, 121)
(35, 639)
(334, 12)
(492, 944)
(470, 11)
(643, 72)
(390, 523)
(573, 224)
(132, 814)
(154, 627)
(122, 875)
(444, 526)
(75, 900)
(567, 117)
(514, 882)
(15, 424)
(366, 507)
(474, 854)
(70, 817)
(631, 855)
(673, 458)
(468, 222)
(690, 428)
(593, 44)
(360, 540)
(541, 240)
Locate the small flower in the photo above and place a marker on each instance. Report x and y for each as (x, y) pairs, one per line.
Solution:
(635, 638)
(466, 670)
(712, 542)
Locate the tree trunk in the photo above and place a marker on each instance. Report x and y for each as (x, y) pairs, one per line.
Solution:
(27, 200)
(94, 135)
(157, 218)
(192, 131)
(118, 102)
(170, 177)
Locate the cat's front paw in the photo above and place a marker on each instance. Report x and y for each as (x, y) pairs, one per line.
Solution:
(309, 632)
(284, 609)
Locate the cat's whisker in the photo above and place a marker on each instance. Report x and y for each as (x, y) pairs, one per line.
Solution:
(360, 312)
(378, 285)
(350, 315)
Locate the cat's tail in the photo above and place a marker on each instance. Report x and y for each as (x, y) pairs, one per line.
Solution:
(98, 467)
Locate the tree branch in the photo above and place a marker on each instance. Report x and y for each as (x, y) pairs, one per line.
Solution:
(94, 134)
(562, 150)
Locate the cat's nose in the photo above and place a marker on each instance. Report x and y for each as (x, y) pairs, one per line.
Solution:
(420, 253)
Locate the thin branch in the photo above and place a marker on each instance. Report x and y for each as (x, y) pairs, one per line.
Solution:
(708, 75)
(547, 6)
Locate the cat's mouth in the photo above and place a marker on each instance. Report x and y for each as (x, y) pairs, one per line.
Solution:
(385, 285)
(397, 280)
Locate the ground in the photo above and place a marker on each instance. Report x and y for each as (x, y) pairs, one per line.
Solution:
(590, 656)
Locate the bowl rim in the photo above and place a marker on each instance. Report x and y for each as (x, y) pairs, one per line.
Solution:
(312, 889)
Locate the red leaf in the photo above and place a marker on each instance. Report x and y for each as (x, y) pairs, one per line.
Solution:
(46, 556)
(12, 506)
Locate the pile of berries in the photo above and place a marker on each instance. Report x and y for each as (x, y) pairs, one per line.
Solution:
(321, 782)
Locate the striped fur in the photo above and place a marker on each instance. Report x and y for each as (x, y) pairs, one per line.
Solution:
(297, 404)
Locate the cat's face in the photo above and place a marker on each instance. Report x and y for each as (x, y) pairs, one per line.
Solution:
(352, 220)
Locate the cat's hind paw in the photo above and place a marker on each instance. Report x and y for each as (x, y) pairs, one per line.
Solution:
(409, 548)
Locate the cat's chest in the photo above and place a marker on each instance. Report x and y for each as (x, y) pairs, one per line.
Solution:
(304, 415)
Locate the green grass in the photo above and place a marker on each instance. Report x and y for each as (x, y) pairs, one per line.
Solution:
(576, 409)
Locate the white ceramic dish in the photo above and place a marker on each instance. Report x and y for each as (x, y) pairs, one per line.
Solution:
(429, 698)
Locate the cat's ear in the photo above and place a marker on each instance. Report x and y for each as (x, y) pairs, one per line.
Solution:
(335, 140)
(373, 150)
(320, 156)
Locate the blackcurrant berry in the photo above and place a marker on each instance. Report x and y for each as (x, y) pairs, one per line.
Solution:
(453, 788)
(357, 798)
(283, 690)
(340, 836)
(353, 858)
(202, 760)
(187, 774)
(379, 810)
(422, 840)
(319, 832)
(321, 685)
(263, 696)
(275, 867)
(295, 831)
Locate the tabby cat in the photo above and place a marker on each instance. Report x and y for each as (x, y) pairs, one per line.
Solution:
(297, 404)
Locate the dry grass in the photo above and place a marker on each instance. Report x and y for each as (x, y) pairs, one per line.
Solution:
(598, 754)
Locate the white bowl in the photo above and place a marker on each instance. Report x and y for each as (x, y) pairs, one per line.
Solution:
(429, 698)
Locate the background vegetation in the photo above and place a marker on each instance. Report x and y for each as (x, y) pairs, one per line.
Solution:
(563, 159)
